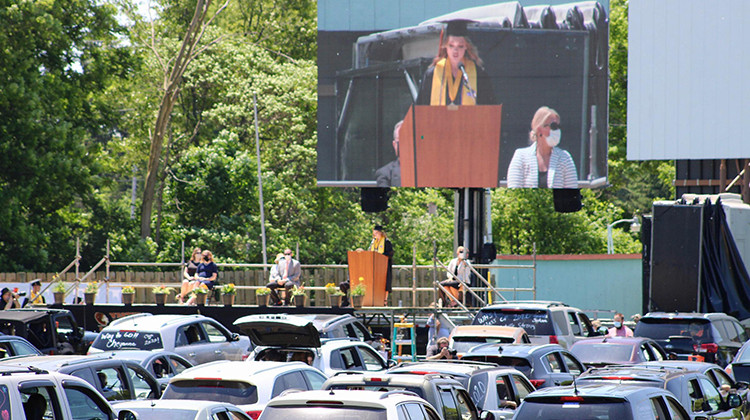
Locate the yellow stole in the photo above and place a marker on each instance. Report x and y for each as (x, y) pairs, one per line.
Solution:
(378, 245)
(442, 77)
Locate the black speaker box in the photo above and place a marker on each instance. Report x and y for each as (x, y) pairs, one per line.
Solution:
(374, 200)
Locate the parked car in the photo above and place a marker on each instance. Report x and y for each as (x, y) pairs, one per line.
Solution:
(164, 365)
(695, 392)
(181, 410)
(499, 391)
(115, 379)
(248, 385)
(597, 352)
(14, 346)
(709, 337)
(544, 322)
(464, 337)
(595, 401)
(361, 405)
(739, 368)
(197, 338)
(284, 337)
(545, 365)
(342, 326)
(714, 372)
(445, 394)
(460, 370)
(37, 394)
(52, 331)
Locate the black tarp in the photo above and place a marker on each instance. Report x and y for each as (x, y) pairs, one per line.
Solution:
(725, 284)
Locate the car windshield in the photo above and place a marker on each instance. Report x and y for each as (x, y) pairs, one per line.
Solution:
(323, 413)
(663, 328)
(533, 410)
(464, 344)
(160, 414)
(379, 387)
(126, 340)
(534, 321)
(602, 352)
(233, 392)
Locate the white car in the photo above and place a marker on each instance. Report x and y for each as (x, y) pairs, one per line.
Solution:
(180, 410)
(197, 338)
(346, 404)
(285, 337)
(248, 385)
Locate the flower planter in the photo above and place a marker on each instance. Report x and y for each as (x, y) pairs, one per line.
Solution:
(262, 300)
(334, 300)
(228, 299)
(59, 297)
(200, 298)
(299, 301)
(89, 298)
(128, 298)
(357, 301)
(160, 298)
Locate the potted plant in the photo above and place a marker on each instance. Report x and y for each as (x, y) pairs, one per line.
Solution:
(298, 296)
(261, 296)
(358, 293)
(201, 293)
(128, 295)
(161, 293)
(228, 293)
(334, 295)
(89, 293)
(58, 291)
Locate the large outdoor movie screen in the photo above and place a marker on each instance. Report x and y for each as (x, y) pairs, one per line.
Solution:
(492, 96)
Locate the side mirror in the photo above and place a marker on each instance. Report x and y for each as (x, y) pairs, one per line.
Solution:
(127, 415)
(235, 337)
(487, 415)
(734, 400)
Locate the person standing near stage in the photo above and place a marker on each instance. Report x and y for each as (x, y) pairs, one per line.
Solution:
(444, 82)
(381, 244)
(461, 271)
(619, 329)
(288, 272)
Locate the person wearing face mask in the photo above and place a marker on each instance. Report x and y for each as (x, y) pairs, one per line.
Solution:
(206, 273)
(288, 272)
(620, 329)
(390, 174)
(445, 81)
(460, 274)
(543, 164)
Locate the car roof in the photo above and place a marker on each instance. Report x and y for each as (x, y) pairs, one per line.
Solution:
(359, 398)
(511, 350)
(386, 379)
(279, 330)
(612, 390)
(436, 366)
(22, 315)
(613, 340)
(486, 331)
(170, 404)
(135, 354)
(639, 372)
(238, 371)
(148, 322)
(685, 364)
(323, 321)
(686, 315)
(56, 362)
(535, 304)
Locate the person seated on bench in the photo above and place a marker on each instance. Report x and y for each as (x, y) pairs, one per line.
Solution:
(288, 275)
(206, 274)
(459, 267)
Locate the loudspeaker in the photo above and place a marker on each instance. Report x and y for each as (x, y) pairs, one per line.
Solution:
(567, 200)
(374, 200)
(489, 253)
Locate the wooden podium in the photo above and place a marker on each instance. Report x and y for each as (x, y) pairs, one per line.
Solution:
(450, 146)
(372, 267)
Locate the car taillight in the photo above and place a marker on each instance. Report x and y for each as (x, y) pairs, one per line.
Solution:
(537, 382)
(553, 339)
(245, 356)
(571, 399)
(618, 378)
(729, 370)
(707, 348)
(254, 414)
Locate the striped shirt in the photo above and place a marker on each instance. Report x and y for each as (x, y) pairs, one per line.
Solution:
(523, 171)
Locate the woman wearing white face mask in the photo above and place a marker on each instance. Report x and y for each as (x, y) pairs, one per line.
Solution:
(459, 267)
(543, 164)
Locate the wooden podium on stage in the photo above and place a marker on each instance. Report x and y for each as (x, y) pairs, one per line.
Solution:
(450, 146)
(372, 267)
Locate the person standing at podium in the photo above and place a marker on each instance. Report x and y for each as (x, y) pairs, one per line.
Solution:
(456, 76)
(381, 244)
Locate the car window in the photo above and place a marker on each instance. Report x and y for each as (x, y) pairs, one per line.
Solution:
(721, 327)
(85, 404)
(676, 410)
(189, 335)
(561, 325)
(656, 351)
(38, 399)
(573, 366)
(502, 387)
(554, 362)
(523, 388)
(291, 380)
(732, 333)
(370, 359)
(450, 410)
(360, 331)
(215, 335)
(533, 321)
(740, 331)
(573, 321)
(351, 358)
(228, 415)
(5, 405)
(22, 348)
(160, 368)
(719, 377)
(414, 411)
(588, 329)
(177, 365)
(464, 405)
(314, 378)
(6, 350)
(659, 408)
(113, 385)
(232, 392)
(143, 387)
(710, 394)
(64, 324)
(645, 352)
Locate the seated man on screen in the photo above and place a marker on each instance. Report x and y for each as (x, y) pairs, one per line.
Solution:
(390, 174)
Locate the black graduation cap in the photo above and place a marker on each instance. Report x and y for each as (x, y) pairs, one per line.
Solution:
(457, 27)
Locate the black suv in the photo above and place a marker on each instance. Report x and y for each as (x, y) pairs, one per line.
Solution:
(710, 337)
(52, 331)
